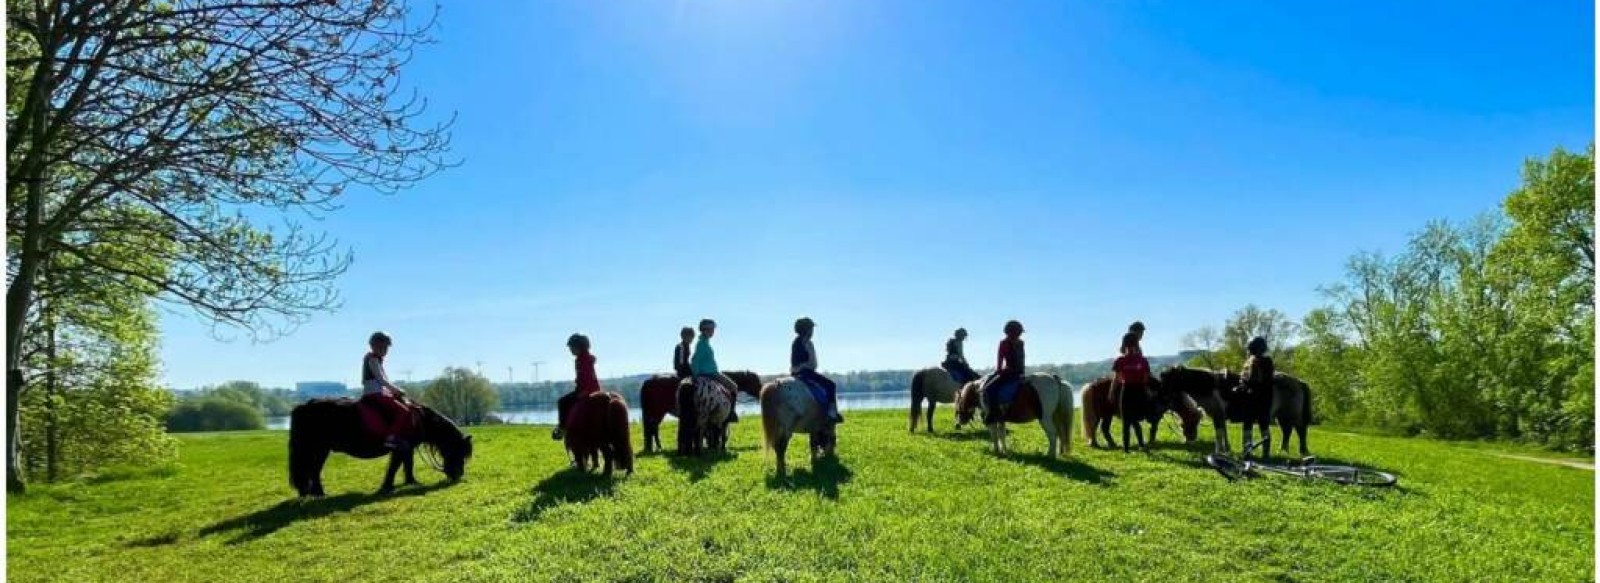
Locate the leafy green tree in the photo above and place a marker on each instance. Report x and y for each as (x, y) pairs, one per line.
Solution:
(154, 121)
(461, 395)
(213, 414)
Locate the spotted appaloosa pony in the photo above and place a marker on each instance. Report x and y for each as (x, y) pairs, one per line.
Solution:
(598, 424)
(321, 426)
(712, 404)
(1289, 402)
(1042, 397)
(1102, 401)
(787, 408)
(659, 396)
(934, 385)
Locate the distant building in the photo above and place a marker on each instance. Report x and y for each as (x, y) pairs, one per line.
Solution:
(315, 389)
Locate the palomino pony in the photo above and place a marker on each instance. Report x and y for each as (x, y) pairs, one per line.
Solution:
(787, 408)
(321, 426)
(1102, 401)
(1289, 402)
(658, 398)
(935, 385)
(598, 425)
(1042, 397)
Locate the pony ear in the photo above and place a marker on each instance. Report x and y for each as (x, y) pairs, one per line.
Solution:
(469, 439)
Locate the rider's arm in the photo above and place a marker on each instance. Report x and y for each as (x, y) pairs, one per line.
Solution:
(382, 377)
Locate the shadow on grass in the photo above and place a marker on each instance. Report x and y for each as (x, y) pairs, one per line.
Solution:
(824, 476)
(569, 486)
(963, 435)
(1066, 468)
(698, 467)
(268, 520)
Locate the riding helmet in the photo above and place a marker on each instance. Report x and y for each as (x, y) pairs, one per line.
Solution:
(803, 324)
(578, 341)
(379, 338)
(1257, 346)
(1013, 327)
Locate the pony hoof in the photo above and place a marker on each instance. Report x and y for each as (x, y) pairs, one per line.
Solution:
(385, 490)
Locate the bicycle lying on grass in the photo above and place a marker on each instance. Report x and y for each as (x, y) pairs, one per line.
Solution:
(1306, 469)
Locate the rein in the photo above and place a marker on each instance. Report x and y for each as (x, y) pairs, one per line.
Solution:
(427, 451)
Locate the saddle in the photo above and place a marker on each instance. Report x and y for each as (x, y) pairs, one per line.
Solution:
(377, 419)
(817, 392)
(1024, 405)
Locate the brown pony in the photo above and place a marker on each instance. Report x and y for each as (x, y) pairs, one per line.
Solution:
(658, 398)
(1102, 400)
(598, 426)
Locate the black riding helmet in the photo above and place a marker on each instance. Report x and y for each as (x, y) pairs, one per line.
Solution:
(578, 341)
(379, 338)
(803, 324)
(1013, 327)
(1257, 346)
(961, 332)
(1137, 326)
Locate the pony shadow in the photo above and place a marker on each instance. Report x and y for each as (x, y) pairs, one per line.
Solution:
(960, 435)
(698, 467)
(269, 520)
(824, 476)
(1068, 468)
(569, 486)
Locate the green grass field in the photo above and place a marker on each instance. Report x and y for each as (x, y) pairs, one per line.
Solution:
(893, 507)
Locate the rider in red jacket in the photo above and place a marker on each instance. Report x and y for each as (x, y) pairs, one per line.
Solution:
(585, 382)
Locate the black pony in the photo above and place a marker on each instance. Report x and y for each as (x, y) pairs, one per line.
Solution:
(321, 426)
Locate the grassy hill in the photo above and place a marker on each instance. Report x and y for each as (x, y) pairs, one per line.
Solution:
(894, 506)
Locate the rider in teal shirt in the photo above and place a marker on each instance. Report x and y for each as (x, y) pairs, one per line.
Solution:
(704, 362)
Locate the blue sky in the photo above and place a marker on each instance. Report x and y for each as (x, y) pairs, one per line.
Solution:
(897, 169)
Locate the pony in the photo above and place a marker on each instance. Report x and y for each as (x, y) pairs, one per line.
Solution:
(1102, 400)
(787, 408)
(320, 426)
(711, 404)
(598, 424)
(935, 385)
(1290, 401)
(1042, 397)
(659, 397)
(1291, 408)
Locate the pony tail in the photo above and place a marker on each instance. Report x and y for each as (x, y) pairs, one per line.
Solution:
(621, 437)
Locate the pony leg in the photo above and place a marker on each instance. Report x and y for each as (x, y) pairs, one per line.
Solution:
(931, 405)
(388, 475)
(780, 446)
(1300, 429)
(1249, 429)
(313, 482)
(1220, 427)
(1266, 438)
(1105, 429)
(916, 406)
(1154, 424)
(1283, 427)
(410, 461)
(1052, 443)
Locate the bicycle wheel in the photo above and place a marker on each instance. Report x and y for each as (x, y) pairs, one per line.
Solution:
(1351, 476)
(1227, 466)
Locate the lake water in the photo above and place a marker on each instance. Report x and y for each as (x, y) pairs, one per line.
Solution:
(747, 407)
